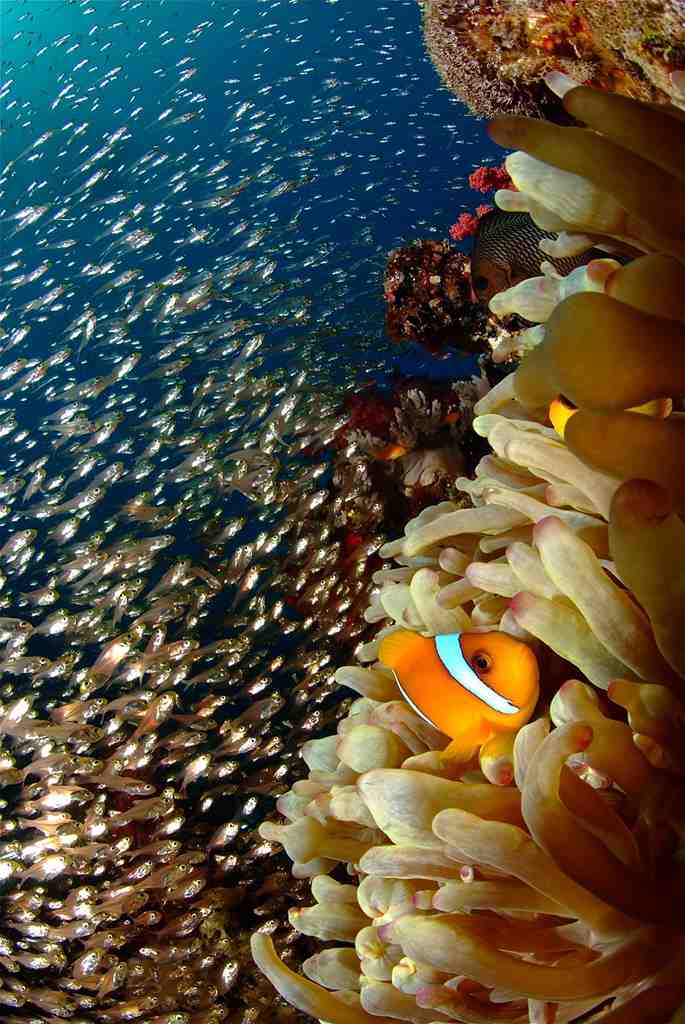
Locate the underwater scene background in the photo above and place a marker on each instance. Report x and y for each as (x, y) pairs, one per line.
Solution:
(262, 443)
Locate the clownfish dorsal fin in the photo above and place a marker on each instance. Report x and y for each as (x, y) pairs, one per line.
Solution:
(399, 647)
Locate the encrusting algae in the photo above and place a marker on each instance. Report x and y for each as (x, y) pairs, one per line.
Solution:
(560, 894)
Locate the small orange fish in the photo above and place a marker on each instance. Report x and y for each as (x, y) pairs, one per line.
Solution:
(471, 686)
(395, 450)
(562, 409)
(392, 452)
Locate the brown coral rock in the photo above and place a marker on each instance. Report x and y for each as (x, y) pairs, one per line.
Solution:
(493, 54)
(427, 294)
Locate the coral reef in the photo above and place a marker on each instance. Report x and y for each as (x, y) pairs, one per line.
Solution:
(494, 55)
(394, 451)
(638, 44)
(428, 298)
(414, 437)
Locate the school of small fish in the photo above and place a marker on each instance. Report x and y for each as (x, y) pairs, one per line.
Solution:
(185, 295)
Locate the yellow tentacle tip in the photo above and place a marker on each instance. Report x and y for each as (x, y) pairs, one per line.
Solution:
(560, 412)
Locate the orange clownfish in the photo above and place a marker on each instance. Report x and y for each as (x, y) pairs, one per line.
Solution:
(471, 686)
(562, 409)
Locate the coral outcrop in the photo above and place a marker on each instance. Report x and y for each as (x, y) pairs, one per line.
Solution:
(493, 55)
(427, 294)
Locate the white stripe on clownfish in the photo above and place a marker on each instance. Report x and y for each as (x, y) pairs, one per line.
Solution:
(451, 655)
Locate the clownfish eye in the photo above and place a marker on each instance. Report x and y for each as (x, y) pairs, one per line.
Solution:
(482, 661)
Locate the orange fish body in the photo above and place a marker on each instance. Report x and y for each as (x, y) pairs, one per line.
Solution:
(391, 452)
(471, 686)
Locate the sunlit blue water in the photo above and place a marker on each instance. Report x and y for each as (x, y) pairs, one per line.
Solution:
(346, 83)
(181, 182)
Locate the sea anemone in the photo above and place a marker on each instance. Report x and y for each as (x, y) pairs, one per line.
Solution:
(532, 555)
(474, 900)
(467, 897)
(536, 298)
(616, 182)
(537, 901)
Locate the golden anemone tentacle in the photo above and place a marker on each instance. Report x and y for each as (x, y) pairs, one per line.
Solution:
(632, 446)
(631, 125)
(634, 356)
(647, 541)
(632, 180)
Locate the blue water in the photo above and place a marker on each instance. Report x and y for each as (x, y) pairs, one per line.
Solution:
(321, 130)
(336, 98)
(351, 84)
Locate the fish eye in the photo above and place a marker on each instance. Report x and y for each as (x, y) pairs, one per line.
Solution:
(482, 661)
(480, 281)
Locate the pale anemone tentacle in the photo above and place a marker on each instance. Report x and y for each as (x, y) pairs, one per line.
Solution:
(559, 200)
(536, 298)
(566, 244)
(553, 821)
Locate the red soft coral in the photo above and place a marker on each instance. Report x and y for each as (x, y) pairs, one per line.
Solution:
(370, 411)
(466, 225)
(486, 179)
